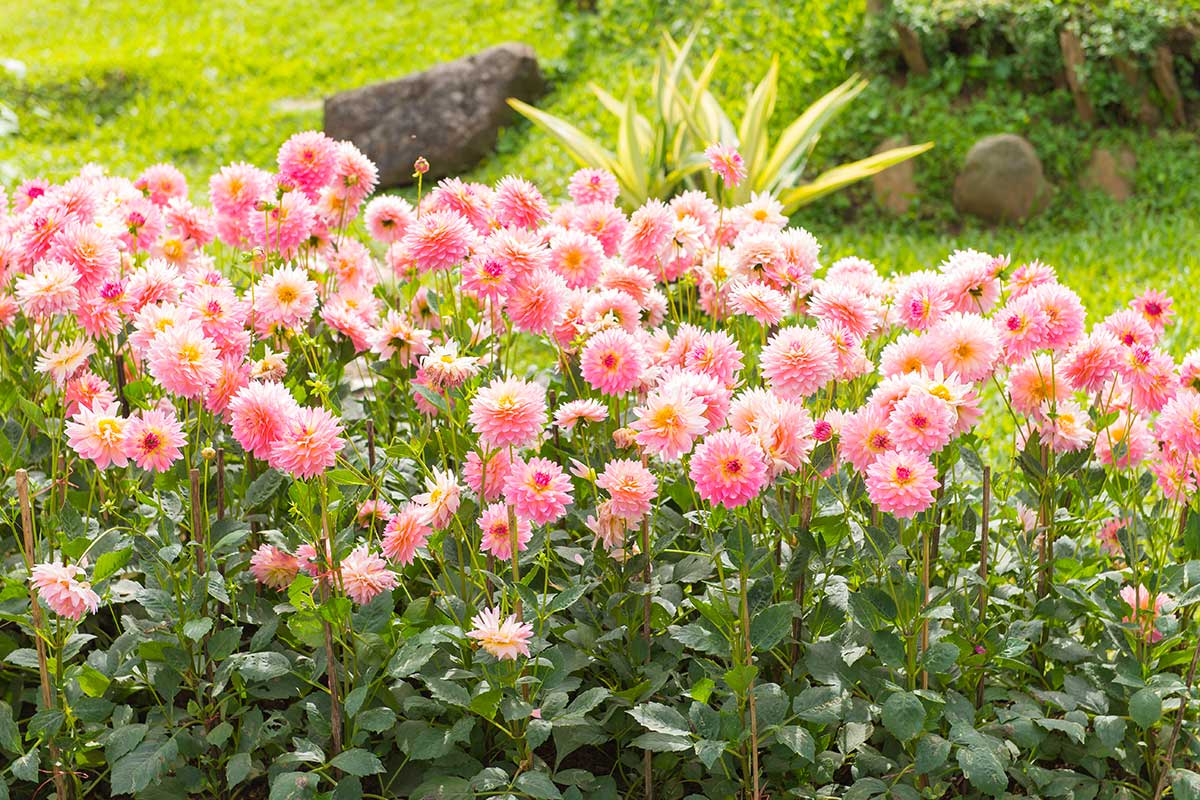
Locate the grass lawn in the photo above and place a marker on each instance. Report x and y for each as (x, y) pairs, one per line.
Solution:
(201, 84)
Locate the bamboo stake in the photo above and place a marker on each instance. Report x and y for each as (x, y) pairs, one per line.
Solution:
(60, 783)
(984, 545)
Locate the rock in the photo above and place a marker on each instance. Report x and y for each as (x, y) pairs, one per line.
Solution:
(451, 113)
(896, 186)
(1001, 180)
(1111, 172)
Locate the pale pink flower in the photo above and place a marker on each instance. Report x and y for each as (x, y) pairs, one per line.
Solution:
(971, 280)
(49, 290)
(1150, 373)
(571, 414)
(605, 222)
(669, 421)
(365, 575)
(445, 368)
(285, 297)
(60, 587)
(1125, 442)
(497, 536)
(396, 335)
(308, 444)
(593, 186)
(766, 305)
(509, 413)
(864, 436)
(609, 529)
(714, 353)
(921, 300)
(724, 160)
(1021, 328)
(66, 360)
(306, 161)
(1029, 276)
(1092, 362)
(1179, 423)
(274, 567)
(184, 360)
(1130, 328)
(728, 469)
(406, 532)
(612, 362)
(909, 353)
(260, 414)
(518, 203)
(1035, 382)
(966, 344)
(537, 302)
(235, 188)
(631, 488)
(648, 236)
(388, 218)
(504, 640)
(1063, 315)
(1175, 475)
(538, 489)
(921, 423)
(1109, 535)
(798, 362)
(439, 240)
(97, 433)
(902, 483)
(844, 304)
(160, 183)
(440, 499)
(372, 511)
(85, 391)
(1065, 427)
(153, 439)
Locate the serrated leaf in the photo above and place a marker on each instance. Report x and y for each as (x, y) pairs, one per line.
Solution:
(263, 666)
(197, 629)
(262, 489)
(357, 762)
(25, 768)
(798, 740)
(538, 785)
(146, 764)
(769, 626)
(932, 751)
(708, 751)
(983, 770)
(662, 743)
(661, 719)
(1145, 707)
(109, 564)
(903, 715)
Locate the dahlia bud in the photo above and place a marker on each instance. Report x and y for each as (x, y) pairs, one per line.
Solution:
(208, 454)
(420, 166)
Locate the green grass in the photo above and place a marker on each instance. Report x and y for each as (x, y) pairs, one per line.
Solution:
(128, 84)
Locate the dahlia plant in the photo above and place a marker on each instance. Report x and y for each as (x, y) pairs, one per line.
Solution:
(325, 495)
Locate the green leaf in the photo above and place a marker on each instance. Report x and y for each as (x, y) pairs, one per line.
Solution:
(983, 770)
(123, 739)
(92, 681)
(567, 598)
(411, 658)
(262, 490)
(662, 742)
(449, 692)
(196, 629)
(357, 762)
(701, 638)
(223, 643)
(1145, 707)
(769, 626)
(1185, 785)
(1110, 730)
(932, 751)
(740, 677)
(903, 715)
(538, 785)
(146, 764)
(661, 719)
(376, 720)
(263, 666)
(10, 736)
(580, 146)
(845, 174)
(25, 768)
(294, 786)
(109, 564)
(708, 751)
(798, 740)
(46, 724)
(1072, 729)
(819, 704)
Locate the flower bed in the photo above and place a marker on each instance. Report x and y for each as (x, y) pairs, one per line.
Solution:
(323, 495)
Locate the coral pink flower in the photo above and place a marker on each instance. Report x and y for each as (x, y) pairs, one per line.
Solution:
(486, 476)
(648, 236)
(1021, 327)
(902, 483)
(539, 490)
(726, 161)
(1156, 308)
(260, 414)
(728, 468)
(1034, 382)
(497, 537)
(571, 414)
(537, 302)
(518, 203)
(631, 487)
(593, 186)
(160, 183)
(714, 353)
(509, 413)
(1179, 423)
(59, 586)
(274, 567)
(577, 257)
(1063, 315)
(235, 189)
(971, 282)
(439, 240)
(921, 423)
(1145, 608)
(967, 345)
(1092, 362)
(285, 224)
(184, 360)
(97, 433)
(1176, 476)
(504, 640)
(365, 575)
(669, 421)
(921, 300)
(440, 499)
(612, 362)
(909, 353)
(857, 312)
(1029, 276)
(93, 253)
(1065, 427)
(306, 161)
(372, 511)
(798, 362)
(603, 221)
(309, 443)
(153, 438)
(1130, 328)
(607, 306)
(1109, 535)
(85, 391)
(406, 532)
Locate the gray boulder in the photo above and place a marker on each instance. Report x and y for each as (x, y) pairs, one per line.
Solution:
(451, 113)
(1001, 180)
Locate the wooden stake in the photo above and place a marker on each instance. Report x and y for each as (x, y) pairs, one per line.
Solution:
(646, 607)
(984, 547)
(199, 537)
(335, 705)
(60, 783)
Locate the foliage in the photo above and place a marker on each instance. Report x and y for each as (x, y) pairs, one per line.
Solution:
(658, 155)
